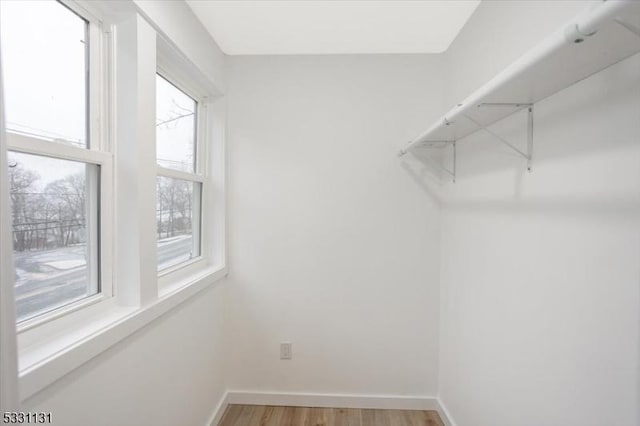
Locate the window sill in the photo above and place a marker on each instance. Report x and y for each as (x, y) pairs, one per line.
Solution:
(44, 362)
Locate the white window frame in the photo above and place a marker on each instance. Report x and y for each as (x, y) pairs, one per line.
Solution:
(198, 176)
(174, 68)
(97, 152)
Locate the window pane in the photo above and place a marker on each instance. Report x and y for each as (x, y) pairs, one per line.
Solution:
(44, 63)
(54, 214)
(178, 221)
(175, 127)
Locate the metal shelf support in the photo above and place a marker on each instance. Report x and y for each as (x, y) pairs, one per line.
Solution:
(529, 138)
(451, 172)
(526, 155)
(455, 161)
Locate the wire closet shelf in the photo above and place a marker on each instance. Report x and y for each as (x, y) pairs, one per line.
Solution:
(596, 39)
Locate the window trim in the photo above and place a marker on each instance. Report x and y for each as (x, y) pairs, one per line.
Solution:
(103, 327)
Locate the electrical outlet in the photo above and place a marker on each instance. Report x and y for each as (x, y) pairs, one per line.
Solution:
(285, 350)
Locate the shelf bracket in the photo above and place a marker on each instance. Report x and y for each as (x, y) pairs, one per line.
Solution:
(453, 175)
(504, 104)
(433, 144)
(529, 138)
(451, 172)
(426, 144)
(526, 155)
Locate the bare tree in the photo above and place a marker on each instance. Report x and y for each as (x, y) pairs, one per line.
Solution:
(49, 218)
(174, 207)
(68, 198)
(22, 185)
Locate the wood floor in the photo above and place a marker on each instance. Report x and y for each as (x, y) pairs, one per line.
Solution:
(260, 415)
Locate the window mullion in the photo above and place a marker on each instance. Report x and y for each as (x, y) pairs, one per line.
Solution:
(136, 276)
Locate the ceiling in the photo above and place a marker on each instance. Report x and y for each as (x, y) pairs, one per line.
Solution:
(309, 27)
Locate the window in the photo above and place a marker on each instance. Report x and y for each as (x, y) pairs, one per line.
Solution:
(179, 181)
(56, 161)
(55, 246)
(73, 93)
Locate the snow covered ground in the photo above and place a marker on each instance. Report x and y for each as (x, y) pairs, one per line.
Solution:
(48, 279)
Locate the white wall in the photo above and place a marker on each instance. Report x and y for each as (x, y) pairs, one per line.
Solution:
(169, 373)
(540, 276)
(333, 246)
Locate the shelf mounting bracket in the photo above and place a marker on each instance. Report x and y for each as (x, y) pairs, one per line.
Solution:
(451, 172)
(504, 104)
(526, 155)
(529, 138)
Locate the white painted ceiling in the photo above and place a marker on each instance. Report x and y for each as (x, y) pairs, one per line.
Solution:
(299, 27)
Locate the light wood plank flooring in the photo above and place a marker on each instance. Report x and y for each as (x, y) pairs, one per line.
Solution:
(260, 415)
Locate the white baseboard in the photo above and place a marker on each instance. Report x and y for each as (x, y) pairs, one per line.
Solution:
(391, 402)
(445, 415)
(217, 414)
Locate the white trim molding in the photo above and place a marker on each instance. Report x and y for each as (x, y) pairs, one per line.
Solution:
(445, 415)
(218, 412)
(299, 399)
